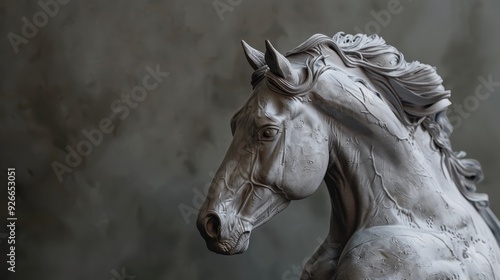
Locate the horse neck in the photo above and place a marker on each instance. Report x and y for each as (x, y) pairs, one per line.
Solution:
(391, 176)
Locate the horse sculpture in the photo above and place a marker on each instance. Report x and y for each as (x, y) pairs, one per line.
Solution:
(351, 111)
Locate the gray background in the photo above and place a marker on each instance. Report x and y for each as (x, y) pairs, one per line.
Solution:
(120, 207)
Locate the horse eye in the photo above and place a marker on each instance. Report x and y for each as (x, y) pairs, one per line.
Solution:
(269, 133)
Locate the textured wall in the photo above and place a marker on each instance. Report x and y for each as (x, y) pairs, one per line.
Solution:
(120, 206)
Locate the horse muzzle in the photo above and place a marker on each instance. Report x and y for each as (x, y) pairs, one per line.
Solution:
(226, 237)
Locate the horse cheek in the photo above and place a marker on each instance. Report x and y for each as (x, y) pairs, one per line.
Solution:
(306, 166)
(268, 168)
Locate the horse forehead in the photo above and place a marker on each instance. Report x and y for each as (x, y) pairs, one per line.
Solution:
(271, 104)
(266, 105)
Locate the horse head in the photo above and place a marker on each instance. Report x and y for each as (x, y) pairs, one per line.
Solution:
(279, 153)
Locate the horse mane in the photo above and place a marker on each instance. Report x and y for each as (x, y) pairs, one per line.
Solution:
(413, 90)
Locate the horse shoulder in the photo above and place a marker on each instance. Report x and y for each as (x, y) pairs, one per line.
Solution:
(388, 252)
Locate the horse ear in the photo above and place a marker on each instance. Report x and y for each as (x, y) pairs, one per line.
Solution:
(279, 64)
(254, 57)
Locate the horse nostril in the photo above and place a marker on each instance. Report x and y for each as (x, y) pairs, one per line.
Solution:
(212, 225)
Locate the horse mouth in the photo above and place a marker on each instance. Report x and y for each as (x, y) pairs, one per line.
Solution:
(226, 248)
(242, 244)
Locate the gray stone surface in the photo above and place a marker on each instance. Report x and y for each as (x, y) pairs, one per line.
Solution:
(350, 110)
(120, 207)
